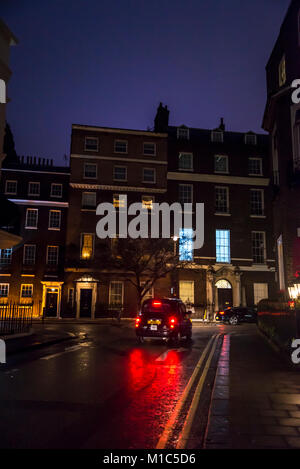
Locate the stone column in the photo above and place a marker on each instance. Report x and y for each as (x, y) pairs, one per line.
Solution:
(237, 294)
(210, 293)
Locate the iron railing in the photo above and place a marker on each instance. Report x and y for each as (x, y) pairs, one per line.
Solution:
(15, 318)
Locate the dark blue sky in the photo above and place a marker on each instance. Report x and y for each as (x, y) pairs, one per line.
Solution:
(111, 62)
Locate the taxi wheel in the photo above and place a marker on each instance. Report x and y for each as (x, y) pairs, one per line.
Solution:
(234, 320)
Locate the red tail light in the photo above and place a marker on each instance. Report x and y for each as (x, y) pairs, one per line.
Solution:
(172, 322)
(156, 304)
(222, 313)
(137, 322)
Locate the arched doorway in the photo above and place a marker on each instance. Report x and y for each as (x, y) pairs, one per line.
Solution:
(225, 297)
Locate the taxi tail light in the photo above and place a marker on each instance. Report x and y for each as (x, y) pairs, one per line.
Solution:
(222, 313)
(172, 322)
(137, 322)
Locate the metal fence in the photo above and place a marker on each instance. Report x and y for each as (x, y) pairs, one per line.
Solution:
(15, 318)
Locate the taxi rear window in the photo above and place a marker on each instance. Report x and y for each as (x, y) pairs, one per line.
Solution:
(156, 307)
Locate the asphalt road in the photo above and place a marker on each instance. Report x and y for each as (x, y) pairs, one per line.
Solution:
(106, 391)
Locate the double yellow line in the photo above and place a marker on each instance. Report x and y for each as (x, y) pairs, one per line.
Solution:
(169, 428)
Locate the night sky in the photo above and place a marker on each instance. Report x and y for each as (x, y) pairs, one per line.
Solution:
(110, 63)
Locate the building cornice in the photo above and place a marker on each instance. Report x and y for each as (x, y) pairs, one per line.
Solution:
(120, 159)
(221, 179)
(105, 187)
(119, 131)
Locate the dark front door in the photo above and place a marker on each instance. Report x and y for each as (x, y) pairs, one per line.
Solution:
(86, 302)
(225, 298)
(51, 304)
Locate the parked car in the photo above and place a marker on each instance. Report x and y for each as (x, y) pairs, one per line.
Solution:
(165, 319)
(237, 315)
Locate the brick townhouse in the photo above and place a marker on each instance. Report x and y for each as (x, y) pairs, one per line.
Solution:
(228, 172)
(32, 271)
(282, 121)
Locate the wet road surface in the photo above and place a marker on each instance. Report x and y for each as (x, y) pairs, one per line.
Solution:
(106, 391)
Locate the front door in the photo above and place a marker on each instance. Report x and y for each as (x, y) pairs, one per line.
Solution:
(51, 304)
(225, 298)
(86, 302)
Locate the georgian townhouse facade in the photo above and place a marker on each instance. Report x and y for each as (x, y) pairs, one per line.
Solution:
(282, 121)
(106, 164)
(32, 271)
(229, 173)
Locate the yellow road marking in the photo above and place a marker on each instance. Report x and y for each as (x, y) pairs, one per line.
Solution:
(184, 436)
(171, 422)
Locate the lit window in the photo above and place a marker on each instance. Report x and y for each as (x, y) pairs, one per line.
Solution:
(4, 289)
(222, 199)
(29, 254)
(258, 247)
(87, 246)
(186, 291)
(116, 293)
(54, 219)
(282, 72)
(5, 256)
(52, 255)
(120, 173)
(223, 246)
(91, 144)
(250, 139)
(255, 166)
(26, 291)
(56, 190)
(183, 133)
(257, 202)
(260, 292)
(31, 218)
(217, 136)
(148, 175)
(221, 164)
(150, 149)
(186, 245)
(88, 200)
(185, 161)
(11, 187)
(119, 201)
(90, 171)
(121, 146)
(185, 194)
(148, 201)
(34, 188)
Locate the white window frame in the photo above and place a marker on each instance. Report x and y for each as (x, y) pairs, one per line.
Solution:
(250, 136)
(149, 154)
(6, 285)
(11, 181)
(110, 291)
(191, 155)
(54, 228)
(255, 215)
(192, 284)
(229, 247)
(90, 177)
(21, 290)
(265, 246)
(213, 135)
(256, 287)
(183, 137)
(192, 192)
(83, 207)
(123, 142)
(120, 167)
(91, 138)
(227, 164)
(24, 252)
(51, 190)
(6, 258)
(154, 174)
(37, 218)
(81, 244)
(30, 184)
(226, 189)
(261, 166)
(47, 254)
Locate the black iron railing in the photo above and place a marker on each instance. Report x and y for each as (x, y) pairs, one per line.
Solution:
(15, 318)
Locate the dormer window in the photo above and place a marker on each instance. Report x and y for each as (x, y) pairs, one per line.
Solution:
(250, 139)
(217, 136)
(282, 71)
(183, 133)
